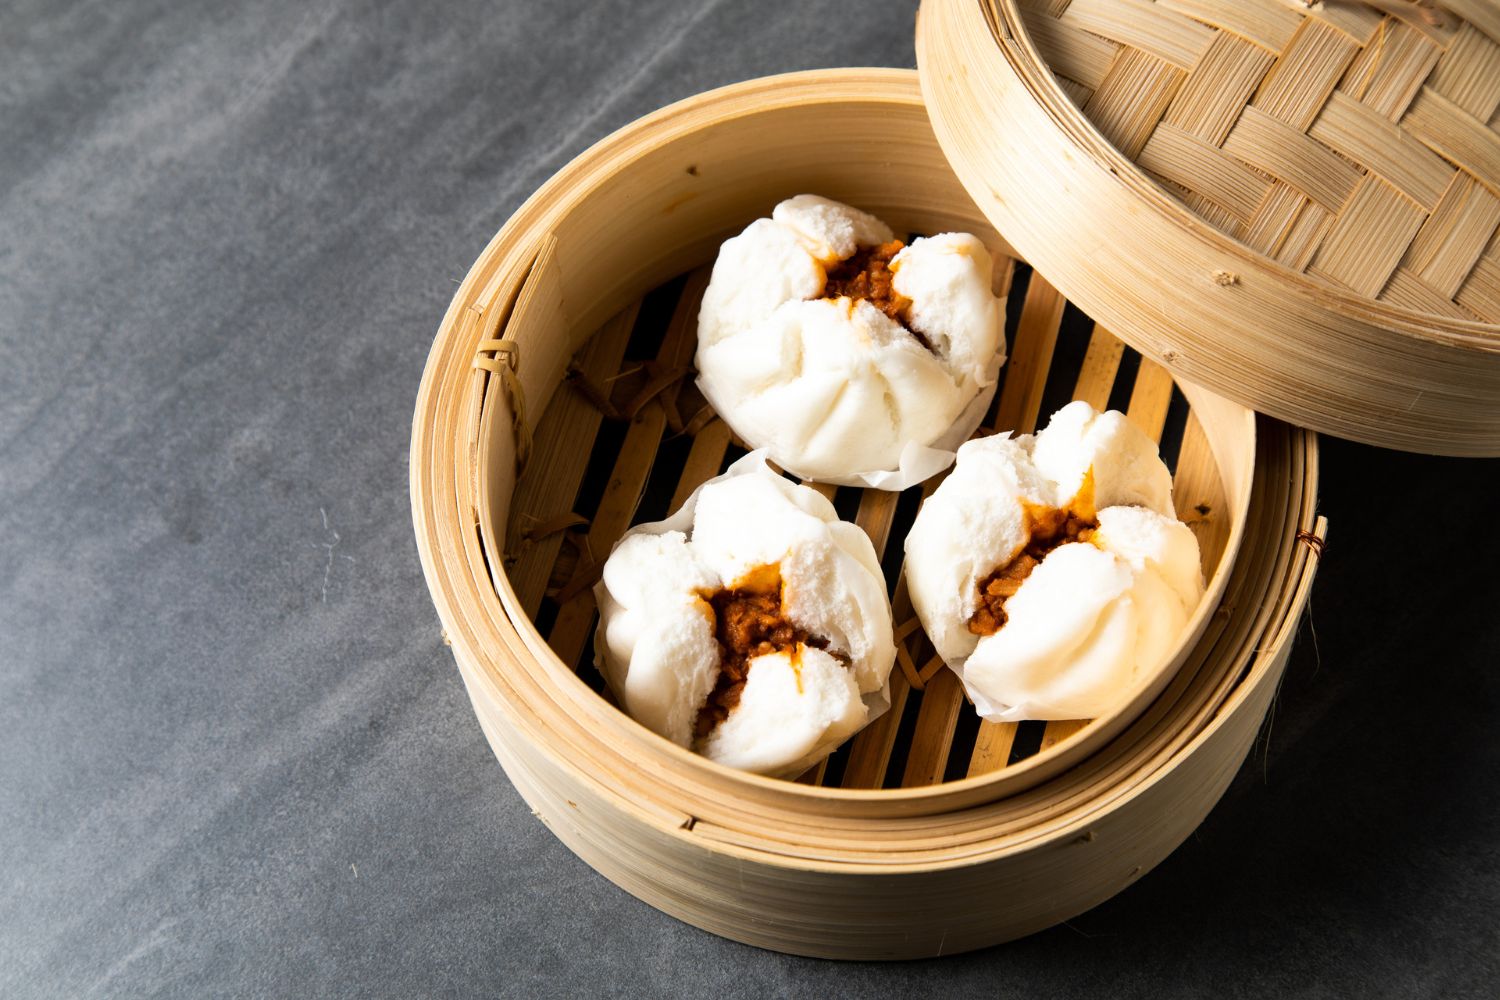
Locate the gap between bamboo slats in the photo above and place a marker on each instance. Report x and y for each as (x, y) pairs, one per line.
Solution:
(574, 416)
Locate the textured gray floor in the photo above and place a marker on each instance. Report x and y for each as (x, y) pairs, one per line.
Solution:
(235, 758)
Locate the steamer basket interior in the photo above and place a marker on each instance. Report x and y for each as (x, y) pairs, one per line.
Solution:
(629, 438)
(590, 317)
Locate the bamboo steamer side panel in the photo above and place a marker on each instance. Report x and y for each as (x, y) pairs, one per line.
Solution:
(901, 913)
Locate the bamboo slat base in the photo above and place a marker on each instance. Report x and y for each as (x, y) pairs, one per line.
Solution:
(930, 733)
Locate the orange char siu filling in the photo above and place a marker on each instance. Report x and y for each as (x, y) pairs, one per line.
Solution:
(1049, 528)
(748, 622)
(867, 275)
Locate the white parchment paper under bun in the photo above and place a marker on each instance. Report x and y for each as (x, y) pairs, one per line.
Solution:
(655, 642)
(835, 390)
(1095, 618)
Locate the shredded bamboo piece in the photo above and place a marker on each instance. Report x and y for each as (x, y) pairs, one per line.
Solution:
(1132, 98)
(1480, 292)
(1362, 135)
(1269, 26)
(1305, 73)
(1275, 148)
(557, 469)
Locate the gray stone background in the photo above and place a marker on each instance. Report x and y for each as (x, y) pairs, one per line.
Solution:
(235, 758)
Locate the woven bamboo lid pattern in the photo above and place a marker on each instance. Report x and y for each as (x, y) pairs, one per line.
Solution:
(1346, 157)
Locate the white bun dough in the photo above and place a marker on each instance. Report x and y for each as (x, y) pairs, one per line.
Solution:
(789, 712)
(834, 389)
(1095, 618)
(973, 522)
(656, 644)
(1128, 470)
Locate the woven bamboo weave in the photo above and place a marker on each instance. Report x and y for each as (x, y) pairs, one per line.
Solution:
(1352, 144)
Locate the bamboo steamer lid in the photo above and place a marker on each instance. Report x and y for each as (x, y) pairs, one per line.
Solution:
(1296, 207)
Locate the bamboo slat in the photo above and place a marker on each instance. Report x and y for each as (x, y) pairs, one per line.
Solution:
(1407, 289)
(1270, 26)
(1358, 23)
(1468, 73)
(1446, 248)
(1080, 55)
(1275, 148)
(859, 867)
(1361, 134)
(1305, 236)
(1150, 400)
(1481, 290)
(1132, 97)
(1100, 364)
(1274, 218)
(1217, 88)
(1305, 73)
(1142, 25)
(703, 461)
(549, 492)
(1482, 14)
(1030, 357)
(1204, 169)
(942, 700)
(1386, 76)
(992, 746)
(571, 629)
(876, 510)
(1368, 239)
(1457, 135)
(1173, 203)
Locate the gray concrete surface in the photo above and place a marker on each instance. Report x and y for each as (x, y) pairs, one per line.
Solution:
(236, 760)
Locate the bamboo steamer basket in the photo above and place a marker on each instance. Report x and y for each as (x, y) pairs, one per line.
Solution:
(1294, 207)
(549, 381)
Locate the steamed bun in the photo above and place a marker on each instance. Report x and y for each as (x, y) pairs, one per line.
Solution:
(1050, 571)
(846, 355)
(752, 626)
